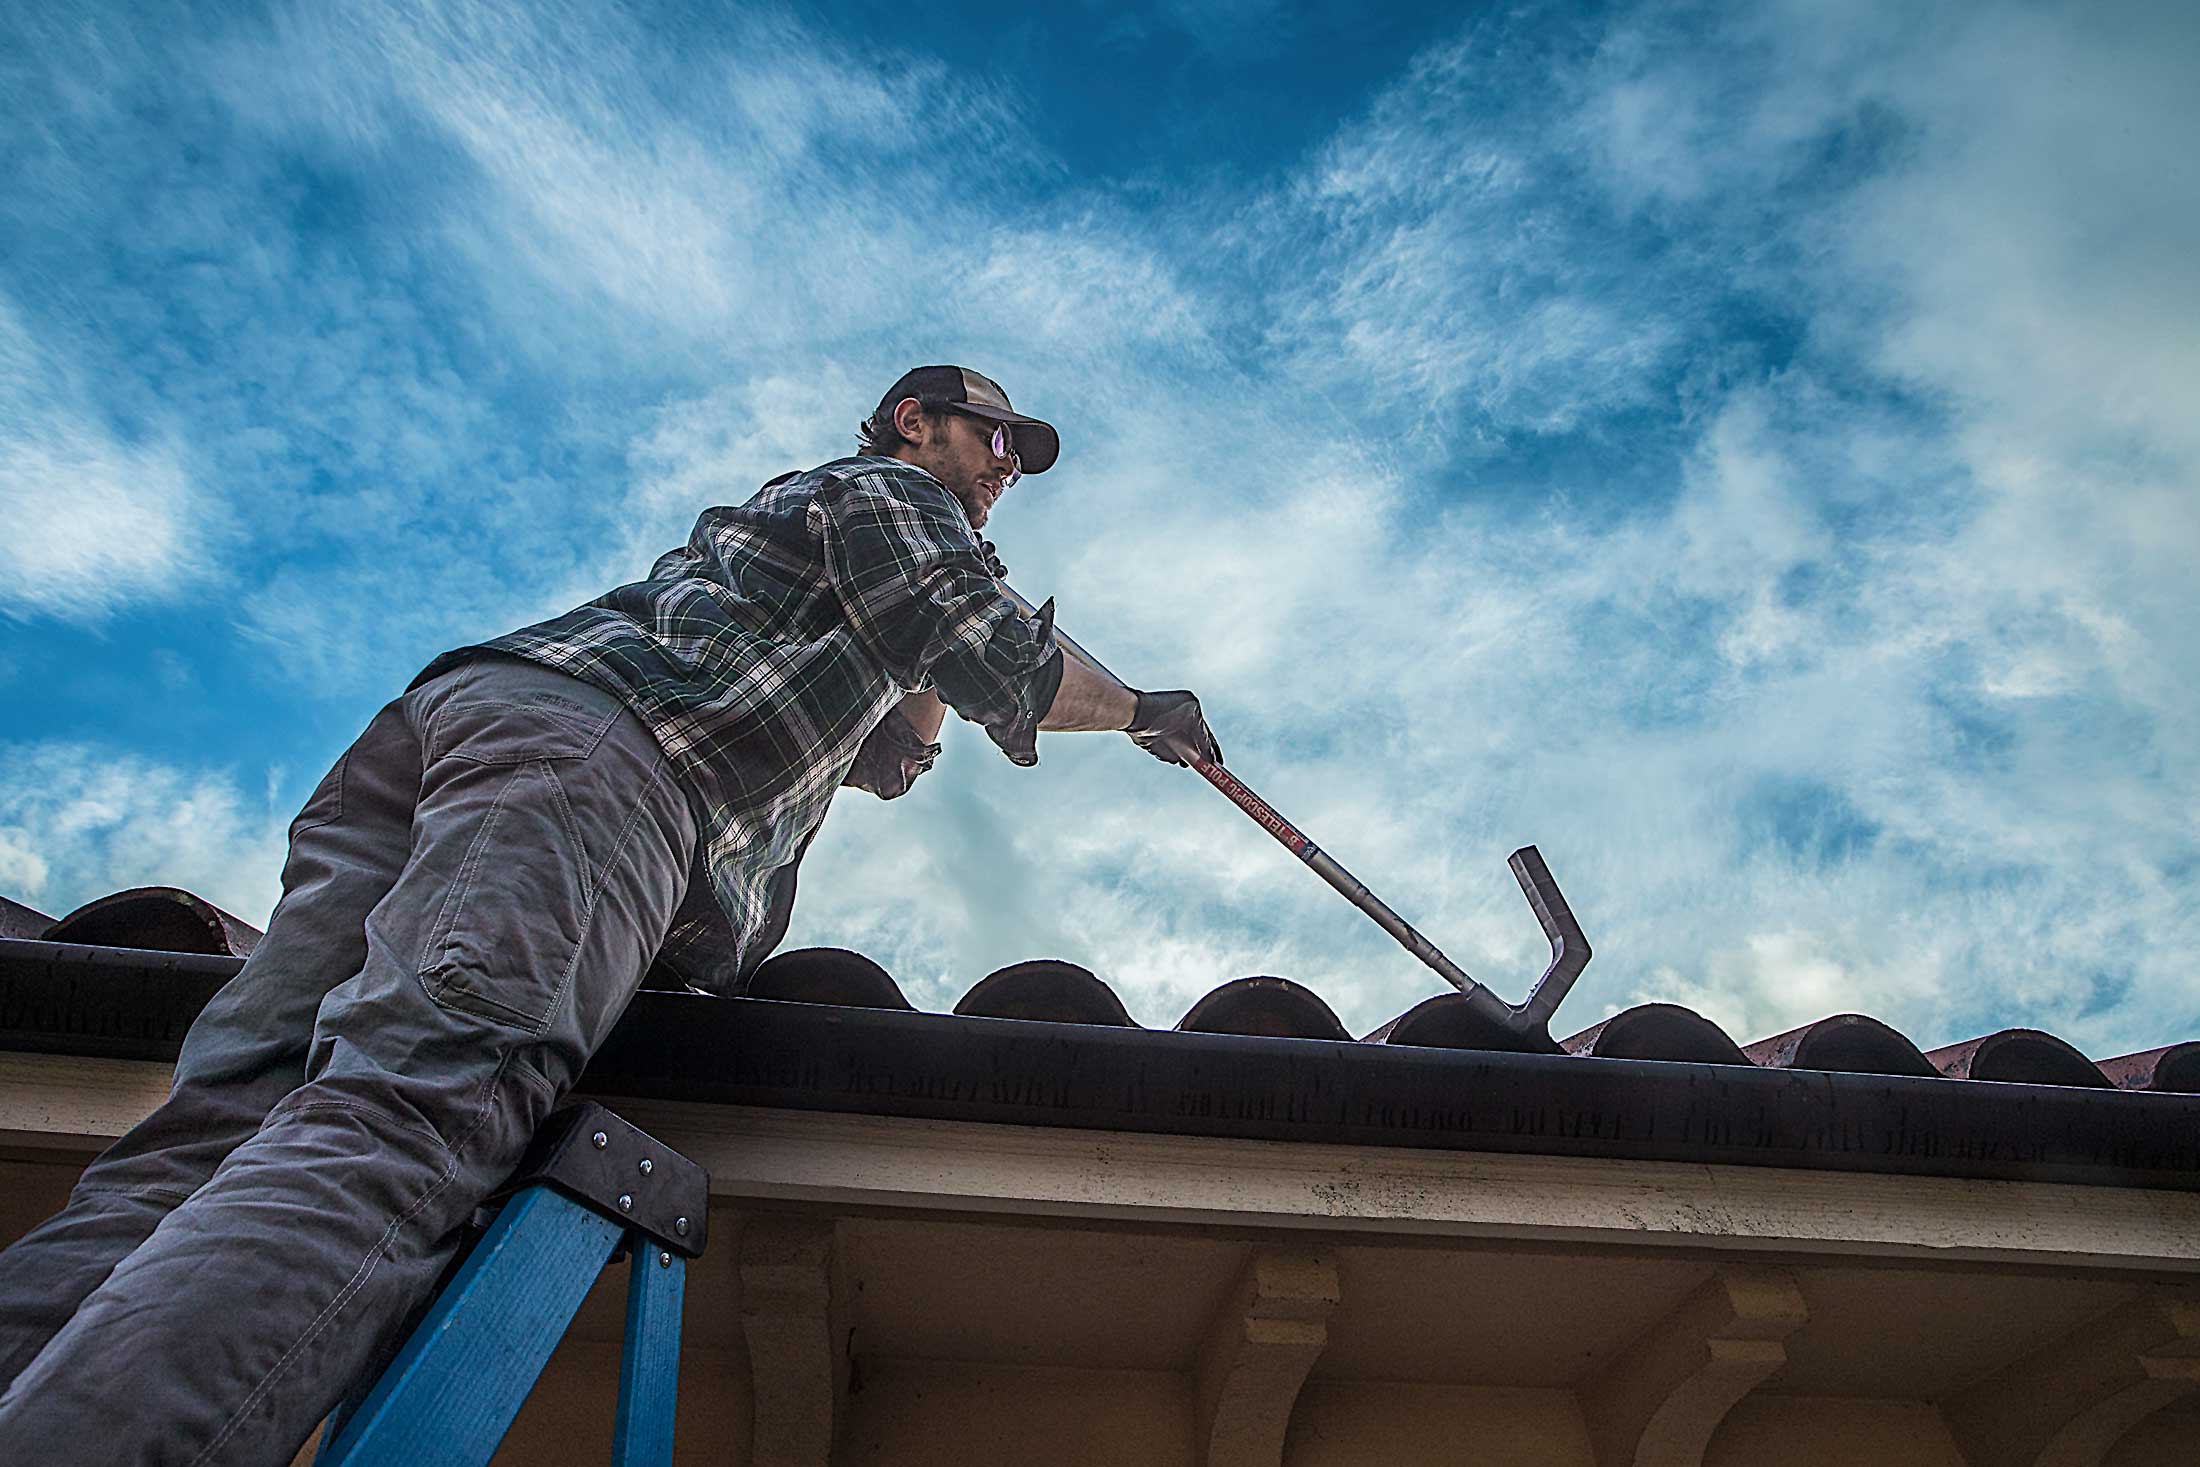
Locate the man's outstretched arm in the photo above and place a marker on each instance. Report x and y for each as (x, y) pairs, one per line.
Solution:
(1169, 726)
(1086, 702)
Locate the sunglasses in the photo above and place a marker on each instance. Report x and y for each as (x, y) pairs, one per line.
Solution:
(1003, 446)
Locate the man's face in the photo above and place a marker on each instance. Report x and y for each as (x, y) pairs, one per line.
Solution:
(958, 451)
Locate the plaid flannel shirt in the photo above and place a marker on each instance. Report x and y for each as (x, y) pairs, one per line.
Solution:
(763, 651)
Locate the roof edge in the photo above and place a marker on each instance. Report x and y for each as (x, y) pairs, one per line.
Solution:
(124, 1003)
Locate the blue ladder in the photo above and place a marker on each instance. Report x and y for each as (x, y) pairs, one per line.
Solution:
(591, 1185)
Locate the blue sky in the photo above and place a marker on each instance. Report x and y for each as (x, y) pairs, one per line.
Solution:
(1749, 451)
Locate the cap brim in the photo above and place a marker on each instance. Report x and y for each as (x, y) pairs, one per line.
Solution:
(1037, 444)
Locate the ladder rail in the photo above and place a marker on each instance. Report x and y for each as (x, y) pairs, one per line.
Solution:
(649, 1368)
(459, 1381)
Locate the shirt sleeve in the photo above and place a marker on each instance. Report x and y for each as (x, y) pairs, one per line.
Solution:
(915, 589)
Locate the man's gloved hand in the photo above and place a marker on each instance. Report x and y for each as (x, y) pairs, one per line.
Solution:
(1170, 727)
(993, 564)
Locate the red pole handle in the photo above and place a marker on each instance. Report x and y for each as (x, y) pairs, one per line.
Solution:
(1263, 813)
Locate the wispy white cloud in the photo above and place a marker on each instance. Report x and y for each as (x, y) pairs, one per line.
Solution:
(1458, 271)
(77, 822)
(22, 868)
(1087, 280)
(95, 522)
(762, 192)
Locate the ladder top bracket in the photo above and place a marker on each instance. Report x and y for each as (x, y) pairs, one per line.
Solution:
(587, 1151)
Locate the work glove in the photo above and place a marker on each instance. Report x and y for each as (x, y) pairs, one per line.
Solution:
(892, 756)
(993, 564)
(1170, 727)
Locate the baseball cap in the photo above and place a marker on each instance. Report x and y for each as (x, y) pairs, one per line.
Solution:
(1037, 444)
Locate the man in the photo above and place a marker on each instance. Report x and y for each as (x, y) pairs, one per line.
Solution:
(471, 898)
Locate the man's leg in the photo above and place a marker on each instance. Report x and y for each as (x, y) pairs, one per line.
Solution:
(245, 1052)
(549, 847)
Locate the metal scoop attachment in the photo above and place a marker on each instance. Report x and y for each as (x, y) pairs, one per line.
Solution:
(1569, 949)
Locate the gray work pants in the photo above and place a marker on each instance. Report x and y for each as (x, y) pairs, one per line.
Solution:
(470, 900)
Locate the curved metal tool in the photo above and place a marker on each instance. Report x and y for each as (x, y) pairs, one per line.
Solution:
(1569, 949)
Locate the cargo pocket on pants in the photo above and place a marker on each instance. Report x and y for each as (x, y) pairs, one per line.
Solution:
(503, 947)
